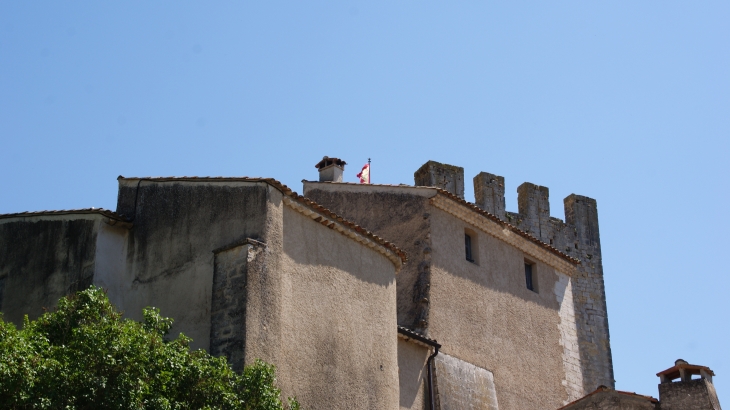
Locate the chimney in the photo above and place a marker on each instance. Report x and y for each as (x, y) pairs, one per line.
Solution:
(447, 177)
(686, 392)
(330, 169)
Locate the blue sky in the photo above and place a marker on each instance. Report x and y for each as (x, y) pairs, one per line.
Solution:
(625, 102)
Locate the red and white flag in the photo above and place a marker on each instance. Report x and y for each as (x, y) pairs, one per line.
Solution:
(364, 175)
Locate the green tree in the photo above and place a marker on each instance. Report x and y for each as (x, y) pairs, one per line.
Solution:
(84, 355)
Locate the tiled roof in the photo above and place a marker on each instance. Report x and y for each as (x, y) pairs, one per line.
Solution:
(604, 388)
(477, 210)
(100, 211)
(673, 372)
(408, 333)
(291, 194)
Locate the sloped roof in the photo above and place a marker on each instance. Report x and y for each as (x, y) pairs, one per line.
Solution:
(410, 334)
(601, 389)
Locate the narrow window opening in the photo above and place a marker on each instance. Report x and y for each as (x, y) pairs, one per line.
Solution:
(467, 243)
(530, 276)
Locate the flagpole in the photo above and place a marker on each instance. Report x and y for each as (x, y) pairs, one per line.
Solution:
(370, 172)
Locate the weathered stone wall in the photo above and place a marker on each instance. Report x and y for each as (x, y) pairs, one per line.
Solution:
(177, 226)
(462, 386)
(401, 216)
(228, 304)
(696, 394)
(43, 259)
(447, 177)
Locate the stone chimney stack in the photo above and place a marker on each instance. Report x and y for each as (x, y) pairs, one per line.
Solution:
(447, 177)
(330, 169)
(687, 393)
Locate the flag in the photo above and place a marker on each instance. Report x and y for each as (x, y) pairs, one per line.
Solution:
(364, 175)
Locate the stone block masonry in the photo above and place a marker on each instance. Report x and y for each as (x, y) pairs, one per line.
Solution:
(228, 304)
(462, 386)
(447, 177)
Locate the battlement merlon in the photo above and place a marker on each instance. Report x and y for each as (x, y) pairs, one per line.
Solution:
(447, 177)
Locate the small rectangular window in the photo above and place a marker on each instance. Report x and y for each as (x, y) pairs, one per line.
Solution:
(530, 281)
(467, 242)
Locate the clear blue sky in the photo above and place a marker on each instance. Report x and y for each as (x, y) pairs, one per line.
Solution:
(627, 102)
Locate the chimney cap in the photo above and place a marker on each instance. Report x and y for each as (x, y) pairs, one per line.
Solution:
(327, 161)
(690, 369)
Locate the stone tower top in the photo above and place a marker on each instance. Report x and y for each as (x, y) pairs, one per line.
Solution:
(447, 177)
(330, 169)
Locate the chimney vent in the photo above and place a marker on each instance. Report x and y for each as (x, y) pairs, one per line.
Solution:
(330, 169)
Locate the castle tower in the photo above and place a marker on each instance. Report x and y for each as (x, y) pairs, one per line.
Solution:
(687, 393)
(447, 177)
(578, 237)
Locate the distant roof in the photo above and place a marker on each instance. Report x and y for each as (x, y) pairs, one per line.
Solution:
(289, 193)
(608, 389)
(99, 211)
(473, 208)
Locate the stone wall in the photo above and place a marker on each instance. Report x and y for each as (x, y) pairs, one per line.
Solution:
(177, 226)
(400, 215)
(228, 302)
(696, 394)
(43, 259)
(460, 385)
(578, 237)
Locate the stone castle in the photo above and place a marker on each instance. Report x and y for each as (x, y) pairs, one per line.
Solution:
(364, 296)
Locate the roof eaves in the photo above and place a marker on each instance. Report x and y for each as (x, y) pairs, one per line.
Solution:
(410, 334)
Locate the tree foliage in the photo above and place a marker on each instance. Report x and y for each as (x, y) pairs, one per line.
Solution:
(84, 355)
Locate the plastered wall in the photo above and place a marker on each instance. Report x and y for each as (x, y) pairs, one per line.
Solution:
(338, 325)
(399, 215)
(483, 313)
(412, 374)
